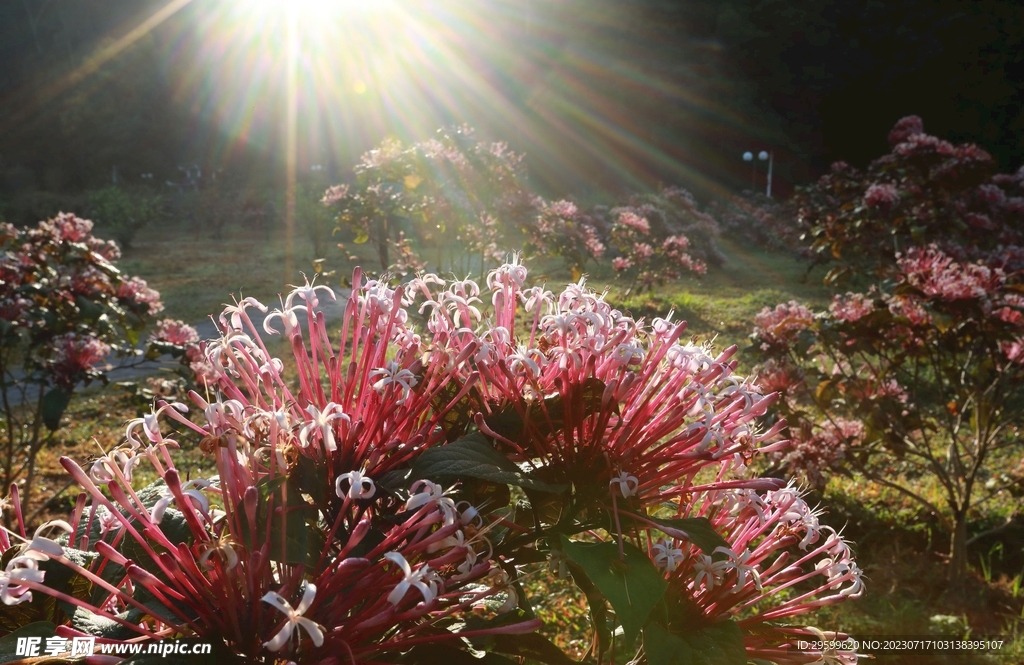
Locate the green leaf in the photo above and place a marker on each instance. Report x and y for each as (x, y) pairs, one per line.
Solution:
(311, 478)
(293, 538)
(717, 644)
(533, 646)
(54, 403)
(633, 586)
(431, 654)
(664, 648)
(9, 643)
(699, 529)
(88, 309)
(395, 481)
(473, 457)
(100, 626)
(361, 237)
(544, 419)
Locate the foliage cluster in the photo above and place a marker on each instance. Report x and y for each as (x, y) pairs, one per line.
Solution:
(925, 190)
(121, 213)
(457, 194)
(759, 220)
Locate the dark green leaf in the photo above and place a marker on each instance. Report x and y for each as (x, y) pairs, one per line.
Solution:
(633, 586)
(54, 403)
(548, 417)
(94, 624)
(9, 643)
(664, 648)
(293, 535)
(533, 646)
(89, 309)
(720, 643)
(395, 481)
(431, 654)
(473, 457)
(699, 529)
(157, 609)
(311, 478)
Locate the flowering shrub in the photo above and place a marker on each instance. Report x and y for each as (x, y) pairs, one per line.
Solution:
(562, 229)
(361, 511)
(919, 377)
(659, 237)
(926, 190)
(451, 193)
(64, 308)
(757, 219)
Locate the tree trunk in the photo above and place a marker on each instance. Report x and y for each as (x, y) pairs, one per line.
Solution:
(382, 244)
(958, 552)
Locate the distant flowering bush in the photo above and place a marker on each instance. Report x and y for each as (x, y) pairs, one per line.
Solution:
(759, 220)
(920, 376)
(648, 240)
(64, 309)
(454, 195)
(361, 511)
(560, 228)
(782, 324)
(926, 190)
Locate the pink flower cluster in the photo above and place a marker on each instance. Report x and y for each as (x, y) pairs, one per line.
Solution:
(778, 376)
(782, 324)
(926, 190)
(634, 221)
(905, 128)
(172, 331)
(882, 196)
(334, 195)
(312, 540)
(937, 275)
(55, 268)
(775, 544)
(645, 249)
(851, 307)
(817, 450)
(73, 355)
(135, 290)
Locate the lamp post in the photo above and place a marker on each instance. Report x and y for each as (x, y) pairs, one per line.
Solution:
(764, 155)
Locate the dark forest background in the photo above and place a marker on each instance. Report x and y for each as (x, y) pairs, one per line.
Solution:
(602, 95)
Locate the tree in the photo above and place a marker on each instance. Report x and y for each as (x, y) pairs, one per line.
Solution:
(447, 193)
(122, 213)
(919, 377)
(64, 308)
(926, 190)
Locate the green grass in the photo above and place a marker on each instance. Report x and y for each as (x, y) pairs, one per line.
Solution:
(722, 305)
(196, 275)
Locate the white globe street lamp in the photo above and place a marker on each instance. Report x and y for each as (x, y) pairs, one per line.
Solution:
(764, 155)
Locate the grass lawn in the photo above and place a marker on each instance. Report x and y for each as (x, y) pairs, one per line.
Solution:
(898, 547)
